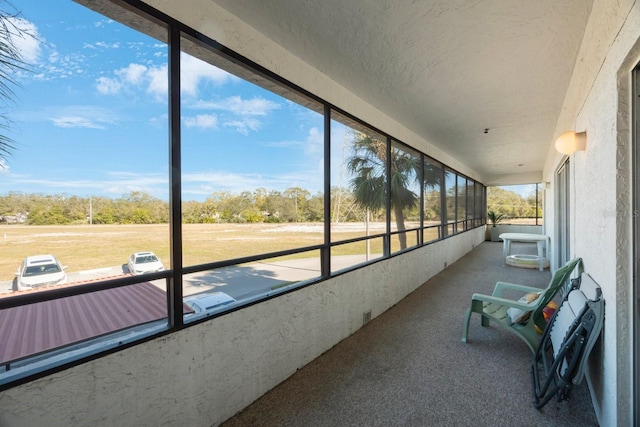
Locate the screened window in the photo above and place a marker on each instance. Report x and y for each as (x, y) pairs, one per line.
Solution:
(479, 216)
(520, 204)
(252, 175)
(358, 192)
(161, 207)
(88, 187)
(405, 172)
(461, 201)
(451, 200)
(433, 187)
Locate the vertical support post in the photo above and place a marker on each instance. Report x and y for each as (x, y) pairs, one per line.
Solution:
(387, 237)
(174, 284)
(325, 253)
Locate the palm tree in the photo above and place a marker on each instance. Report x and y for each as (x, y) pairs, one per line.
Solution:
(368, 164)
(10, 63)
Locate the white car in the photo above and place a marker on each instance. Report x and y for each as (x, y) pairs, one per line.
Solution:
(205, 304)
(144, 262)
(40, 270)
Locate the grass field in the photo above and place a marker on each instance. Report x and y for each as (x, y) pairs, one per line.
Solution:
(86, 247)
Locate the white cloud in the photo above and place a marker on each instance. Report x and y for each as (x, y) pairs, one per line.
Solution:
(244, 125)
(107, 86)
(205, 121)
(194, 71)
(81, 116)
(114, 184)
(152, 79)
(27, 41)
(4, 166)
(237, 105)
(312, 144)
(244, 111)
(134, 74)
(315, 141)
(251, 107)
(115, 45)
(208, 182)
(75, 122)
(158, 81)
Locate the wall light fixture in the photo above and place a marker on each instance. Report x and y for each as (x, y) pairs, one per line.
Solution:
(570, 142)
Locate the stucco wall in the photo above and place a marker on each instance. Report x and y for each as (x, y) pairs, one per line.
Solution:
(204, 374)
(598, 102)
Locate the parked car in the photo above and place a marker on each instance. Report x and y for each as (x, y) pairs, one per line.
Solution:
(206, 304)
(144, 262)
(39, 270)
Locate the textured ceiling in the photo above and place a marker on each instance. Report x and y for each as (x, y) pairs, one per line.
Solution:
(446, 69)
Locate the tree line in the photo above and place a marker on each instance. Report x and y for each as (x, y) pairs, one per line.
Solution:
(292, 205)
(512, 204)
(259, 206)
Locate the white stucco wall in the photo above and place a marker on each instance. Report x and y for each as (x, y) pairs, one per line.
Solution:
(598, 102)
(206, 373)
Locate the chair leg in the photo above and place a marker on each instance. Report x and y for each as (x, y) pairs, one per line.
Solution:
(484, 321)
(465, 326)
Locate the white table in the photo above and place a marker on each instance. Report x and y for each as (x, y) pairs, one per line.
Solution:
(540, 239)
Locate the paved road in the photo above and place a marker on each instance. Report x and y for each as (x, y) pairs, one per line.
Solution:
(240, 282)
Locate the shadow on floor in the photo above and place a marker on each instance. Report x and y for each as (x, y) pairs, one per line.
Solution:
(408, 366)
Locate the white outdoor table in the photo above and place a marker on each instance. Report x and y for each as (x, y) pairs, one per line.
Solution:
(540, 239)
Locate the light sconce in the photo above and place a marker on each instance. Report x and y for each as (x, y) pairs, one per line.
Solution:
(570, 142)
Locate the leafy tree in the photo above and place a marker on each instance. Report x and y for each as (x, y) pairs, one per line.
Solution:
(314, 208)
(511, 204)
(343, 206)
(140, 216)
(298, 196)
(368, 164)
(105, 215)
(46, 215)
(432, 205)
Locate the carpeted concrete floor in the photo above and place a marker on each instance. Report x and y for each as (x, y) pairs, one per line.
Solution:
(408, 366)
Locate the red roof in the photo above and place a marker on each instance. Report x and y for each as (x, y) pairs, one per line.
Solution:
(31, 329)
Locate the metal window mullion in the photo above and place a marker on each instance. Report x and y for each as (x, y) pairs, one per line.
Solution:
(537, 195)
(387, 249)
(455, 205)
(325, 253)
(174, 285)
(443, 204)
(422, 190)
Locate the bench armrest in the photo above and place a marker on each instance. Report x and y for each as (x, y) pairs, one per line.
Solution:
(500, 286)
(505, 301)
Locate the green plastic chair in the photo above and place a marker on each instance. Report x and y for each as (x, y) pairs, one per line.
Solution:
(494, 307)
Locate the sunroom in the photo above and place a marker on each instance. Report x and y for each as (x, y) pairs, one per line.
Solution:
(317, 163)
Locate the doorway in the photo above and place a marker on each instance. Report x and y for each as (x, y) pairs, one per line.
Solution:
(563, 214)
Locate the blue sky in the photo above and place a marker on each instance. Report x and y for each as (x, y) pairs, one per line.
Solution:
(90, 118)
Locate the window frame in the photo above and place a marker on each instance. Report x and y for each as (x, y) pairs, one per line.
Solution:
(141, 16)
